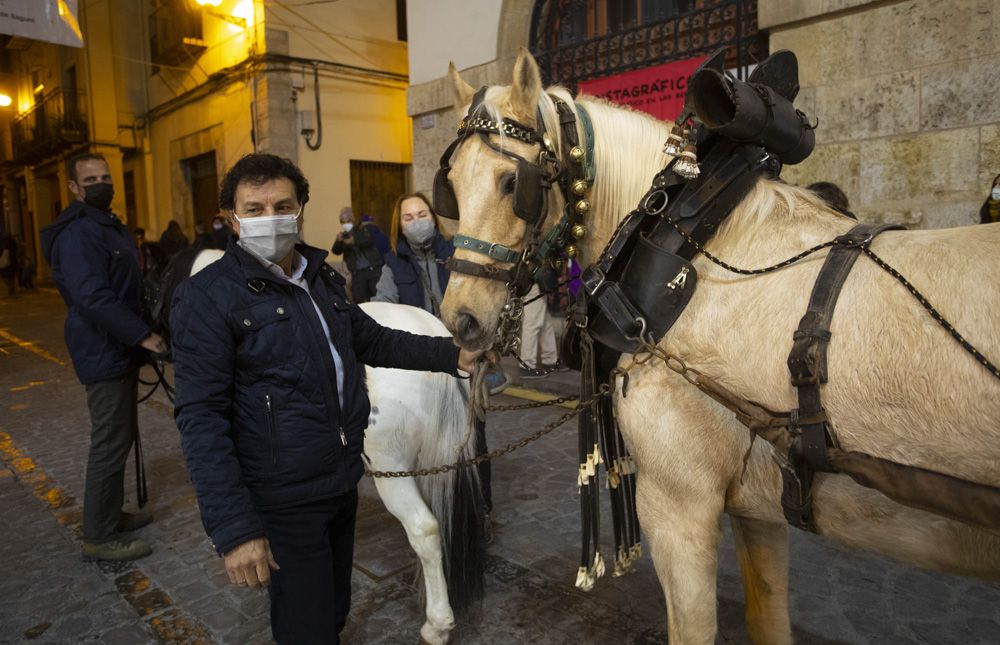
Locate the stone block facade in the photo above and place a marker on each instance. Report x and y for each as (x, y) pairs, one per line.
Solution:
(906, 94)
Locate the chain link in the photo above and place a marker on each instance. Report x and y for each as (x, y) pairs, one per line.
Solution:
(604, 390)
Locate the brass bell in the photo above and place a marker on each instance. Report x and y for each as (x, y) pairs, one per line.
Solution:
(576, 154)
(571, 251)
(582, 206)
(579, 230)
(579, 187)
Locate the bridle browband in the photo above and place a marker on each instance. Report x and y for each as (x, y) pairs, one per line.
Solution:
(530, 197)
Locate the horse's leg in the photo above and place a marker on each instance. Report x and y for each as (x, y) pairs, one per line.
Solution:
(762, 548)
(402, 498)
(683, 535)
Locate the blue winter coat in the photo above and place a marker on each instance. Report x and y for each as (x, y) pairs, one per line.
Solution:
(257, 403)
(406, 273)
(96, 266)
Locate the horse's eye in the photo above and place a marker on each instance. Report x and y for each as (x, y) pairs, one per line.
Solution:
(507, 183)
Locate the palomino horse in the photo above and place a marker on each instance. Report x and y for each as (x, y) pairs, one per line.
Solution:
(418, 420)
(899, 387)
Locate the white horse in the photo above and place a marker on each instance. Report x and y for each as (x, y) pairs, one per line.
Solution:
(418, 420)
(899, 387)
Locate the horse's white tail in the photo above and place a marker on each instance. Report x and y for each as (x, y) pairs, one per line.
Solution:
(437, 420)
(456, 498)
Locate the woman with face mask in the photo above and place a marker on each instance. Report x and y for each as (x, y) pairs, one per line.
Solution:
(990, 211)
(414, 272)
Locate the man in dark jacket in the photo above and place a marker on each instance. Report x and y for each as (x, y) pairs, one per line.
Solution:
(271, 402)
(363, 260)
(95, 265)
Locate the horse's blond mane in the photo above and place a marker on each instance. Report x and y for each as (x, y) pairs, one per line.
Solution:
(625, 160)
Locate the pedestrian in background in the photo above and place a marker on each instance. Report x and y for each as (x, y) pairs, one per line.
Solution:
(380, 238)
(220, 233)
(173, 239)
(363, 260)
(95, 266)
(539, 354)
(271, 404)
(990, 210)
(9, 264)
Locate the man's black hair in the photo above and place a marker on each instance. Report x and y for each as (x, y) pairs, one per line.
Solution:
(75, 159)
(257, 169)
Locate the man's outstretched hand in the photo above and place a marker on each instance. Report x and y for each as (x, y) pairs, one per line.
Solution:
(467, 359)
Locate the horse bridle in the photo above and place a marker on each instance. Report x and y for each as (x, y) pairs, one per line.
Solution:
(532, 181)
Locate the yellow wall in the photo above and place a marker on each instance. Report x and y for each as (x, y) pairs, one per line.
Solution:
(360, 121)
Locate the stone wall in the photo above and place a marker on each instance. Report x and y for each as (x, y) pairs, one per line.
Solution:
(908, 100)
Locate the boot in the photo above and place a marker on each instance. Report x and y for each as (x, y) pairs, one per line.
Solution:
(121, 549)
(133, 521)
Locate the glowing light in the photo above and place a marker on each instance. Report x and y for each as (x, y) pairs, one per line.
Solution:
(5, 101)
(209, 3)
(244, 10)
(39, 88)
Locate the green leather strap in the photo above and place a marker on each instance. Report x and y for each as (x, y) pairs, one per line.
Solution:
(498, 252)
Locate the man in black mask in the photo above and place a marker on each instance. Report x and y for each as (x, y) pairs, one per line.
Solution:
(96, 267)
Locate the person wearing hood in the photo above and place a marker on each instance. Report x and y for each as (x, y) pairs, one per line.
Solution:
(990, 210)
(95, 265)
(363, 260)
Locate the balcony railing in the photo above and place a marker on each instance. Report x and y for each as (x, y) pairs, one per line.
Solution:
(57, 122)
(175, 36)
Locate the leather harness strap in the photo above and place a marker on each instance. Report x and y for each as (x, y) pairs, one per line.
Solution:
(807, 365)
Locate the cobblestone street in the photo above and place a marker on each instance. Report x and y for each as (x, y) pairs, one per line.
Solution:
(181, 594)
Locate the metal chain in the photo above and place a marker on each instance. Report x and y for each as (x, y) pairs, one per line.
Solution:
(533, 405)
(511, 447)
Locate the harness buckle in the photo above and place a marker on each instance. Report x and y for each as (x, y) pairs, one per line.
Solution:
(593, 279)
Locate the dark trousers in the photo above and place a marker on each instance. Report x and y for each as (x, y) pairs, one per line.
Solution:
(114, 424)
(364, 283)
(313, 543)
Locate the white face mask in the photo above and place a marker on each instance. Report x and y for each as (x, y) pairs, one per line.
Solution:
(419, 231)
(995, 194)
(271, 237)
(347, 227)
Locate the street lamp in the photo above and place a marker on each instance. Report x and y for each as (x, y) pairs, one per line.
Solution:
(236, 20)
(5, 100)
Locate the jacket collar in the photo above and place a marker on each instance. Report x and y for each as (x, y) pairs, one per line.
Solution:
(403, 248)
(253, 270)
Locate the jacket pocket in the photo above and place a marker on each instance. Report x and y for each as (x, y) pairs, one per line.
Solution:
(272, 438)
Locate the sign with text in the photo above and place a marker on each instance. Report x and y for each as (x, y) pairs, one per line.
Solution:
(53, 21)
(658, 91)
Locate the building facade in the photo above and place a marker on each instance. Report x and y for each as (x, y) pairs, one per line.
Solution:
(173, 92)
(905, 91)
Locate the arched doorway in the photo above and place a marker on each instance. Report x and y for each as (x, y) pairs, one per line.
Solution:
(577, 40)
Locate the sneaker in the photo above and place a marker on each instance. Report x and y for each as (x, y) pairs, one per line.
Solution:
(133, 521)
(121, 549)
(558, 366)
(529, 373)
(497, 382)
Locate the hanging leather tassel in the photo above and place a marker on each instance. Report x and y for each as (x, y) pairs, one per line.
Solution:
(675, 141)
(687, 163)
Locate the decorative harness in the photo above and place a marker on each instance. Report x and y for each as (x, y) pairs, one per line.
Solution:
(532, 183)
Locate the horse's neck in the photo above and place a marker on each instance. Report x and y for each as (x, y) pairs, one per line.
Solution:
(628, 152)
(774, 222)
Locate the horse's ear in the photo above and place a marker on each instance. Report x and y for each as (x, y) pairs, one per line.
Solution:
(463, 91)
(527, 86)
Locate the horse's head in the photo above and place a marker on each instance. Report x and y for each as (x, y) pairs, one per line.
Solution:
(496, 174)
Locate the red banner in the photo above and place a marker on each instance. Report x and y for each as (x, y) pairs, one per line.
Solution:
(658, 91)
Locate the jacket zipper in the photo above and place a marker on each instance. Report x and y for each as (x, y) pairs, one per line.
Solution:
(343, 437)
(270, 430)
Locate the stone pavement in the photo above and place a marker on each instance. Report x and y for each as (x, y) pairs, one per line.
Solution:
(181, 594)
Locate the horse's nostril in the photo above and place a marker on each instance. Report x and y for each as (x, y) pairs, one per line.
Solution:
(467, 327)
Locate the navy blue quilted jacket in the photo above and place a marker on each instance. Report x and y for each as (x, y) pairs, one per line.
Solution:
(96, 266)
(257, 404)
(406, 273)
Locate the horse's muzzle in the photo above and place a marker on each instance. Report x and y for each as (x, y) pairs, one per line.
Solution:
(467, 330)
